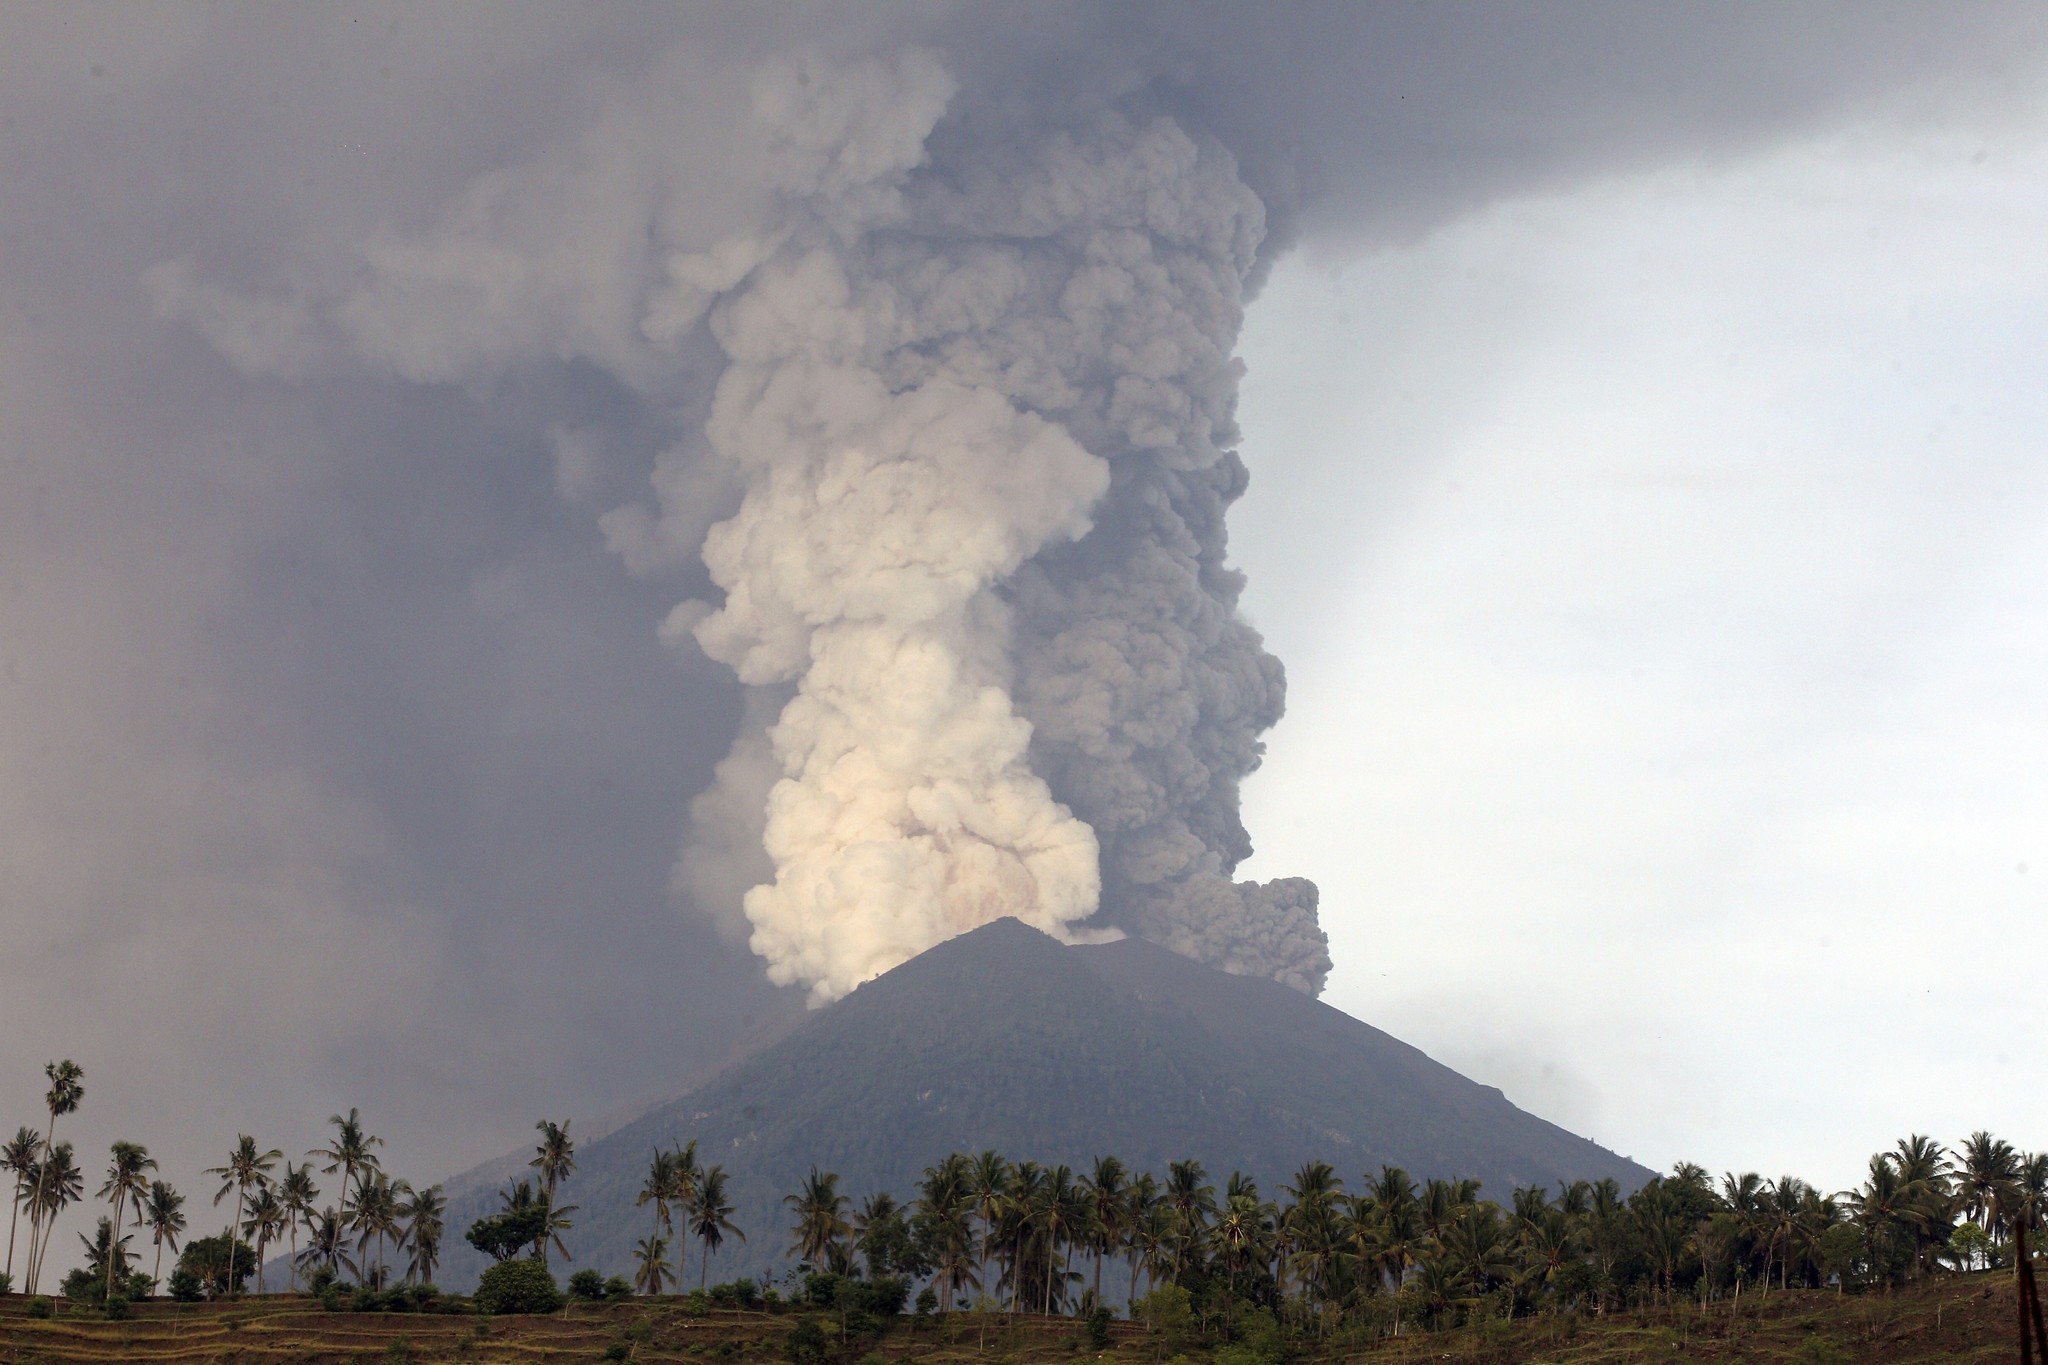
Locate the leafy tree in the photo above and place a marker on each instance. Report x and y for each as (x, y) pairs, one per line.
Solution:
(505, 1234)
(518, 1286)
(219, 1263)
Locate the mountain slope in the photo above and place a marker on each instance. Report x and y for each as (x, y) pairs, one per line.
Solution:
(1004, 1038)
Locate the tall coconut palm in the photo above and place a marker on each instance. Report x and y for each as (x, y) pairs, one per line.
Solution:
(651, 1274)
(555, 1159)
(297, 1193)
(821, 1223)
(1987, 1175)
(1193, 1201)
(351, 1150)
(376, 1213)
(689, 1175)
(424, 1213)
(1061, 1215)
(877, 1232)
(1141, 1206)
(990, 1176)
(67, 1089)
(244, 1169)
(659, 1188)
(945, 1209)
(18, 1159)
(1108, 1189)
(59, 1183)
(126, 1167)
(264, 1220)
(711, 1218)
(163, 1213)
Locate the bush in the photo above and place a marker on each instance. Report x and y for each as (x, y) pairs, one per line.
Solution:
(618, 1350)
(587, 1285)
(6, 1283)
(618, 1287)
(117, 1307)
(335, 1296)
(806, 1343)
(1169, 1312)
(424, 1296)
(184, 1286)
(40, 1306)
(209, 1258)
(83, 1286)
(927, 1302)
(1098, 1329)
(697, 1304)
(140, 1287)
(522, 1286)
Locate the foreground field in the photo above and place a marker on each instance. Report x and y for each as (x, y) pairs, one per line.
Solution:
(1967, 1318)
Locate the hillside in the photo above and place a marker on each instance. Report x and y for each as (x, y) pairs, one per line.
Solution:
(1004, 1038)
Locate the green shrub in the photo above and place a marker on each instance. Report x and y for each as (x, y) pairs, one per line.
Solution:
(83, 1286)
(40, 1306)
(1098, 1329)
(618, 1287)
(6, 1284)
(522, 1286)
(424, 1296)
(806, 1343)
(587, 1285)
(117, 1307)
(184, 1286)
(927, 1303)
(618, 1350)
(140, 1287)
(697, 1304)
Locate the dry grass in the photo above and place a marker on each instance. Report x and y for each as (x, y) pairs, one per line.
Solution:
(1956, 1319)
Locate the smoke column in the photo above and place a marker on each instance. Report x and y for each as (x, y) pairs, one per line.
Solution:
(962, 482)
(982, 412)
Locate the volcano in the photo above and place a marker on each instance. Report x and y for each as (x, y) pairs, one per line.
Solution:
(1005, 1038)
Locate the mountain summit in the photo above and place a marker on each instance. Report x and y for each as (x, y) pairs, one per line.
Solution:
(1005, 1038)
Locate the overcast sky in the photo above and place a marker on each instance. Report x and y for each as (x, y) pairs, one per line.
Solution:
(1643, 412)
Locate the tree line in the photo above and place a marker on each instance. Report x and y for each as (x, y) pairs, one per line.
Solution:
(997, 1235)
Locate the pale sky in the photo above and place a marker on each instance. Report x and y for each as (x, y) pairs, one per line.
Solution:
(1661, 572)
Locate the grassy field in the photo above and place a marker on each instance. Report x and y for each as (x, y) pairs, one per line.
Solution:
(1963, 1318)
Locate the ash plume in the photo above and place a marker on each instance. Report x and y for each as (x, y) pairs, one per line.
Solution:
(960, 484)
(984, 422)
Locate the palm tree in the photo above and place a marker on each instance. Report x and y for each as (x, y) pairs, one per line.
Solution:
(555, 1159)
(58, 1183)
(163, 1213)
(1141, 1205)
(659, 1188)
(376, 1213)
(1108, 1188)
(1193, 1202)
(688, 1176)
(327, 1243)
(18, 1158)
(877, 1231)
(125, 1168)
(67, 1088)
(423, 1214)
(821, 1223)
(711, 1218)
(105, 1252)
(650, 1257)
(1987, 1175)
(350, 1151)
(246, 1167)
(1062, 1218)
(266, 1218)
(946, 1211)
(296, 1192)
(989, 1177)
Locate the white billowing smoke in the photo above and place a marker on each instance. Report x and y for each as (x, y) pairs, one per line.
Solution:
(968, 458)
(929, 407)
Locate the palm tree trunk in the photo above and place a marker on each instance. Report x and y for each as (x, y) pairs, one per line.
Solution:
(13, 1220)
(292, 1278)
(703, 1265)
(234, 1229)
(157, 1273)
(114, 1239)
(35, 1237)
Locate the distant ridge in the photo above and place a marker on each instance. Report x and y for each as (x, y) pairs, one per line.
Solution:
(1005, 1038)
